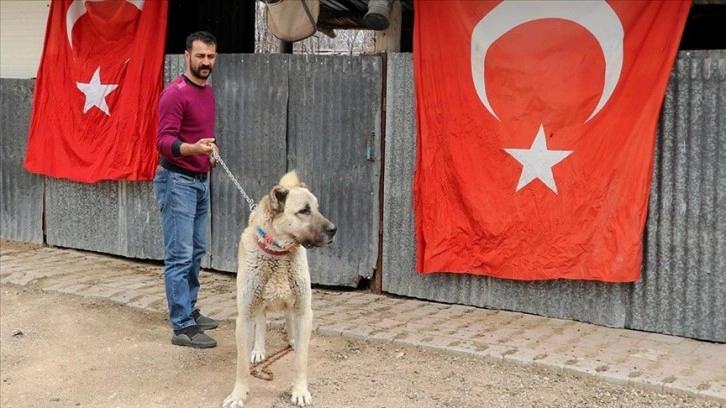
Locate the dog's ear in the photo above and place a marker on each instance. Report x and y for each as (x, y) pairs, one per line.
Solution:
(278, 195)
(303, 185)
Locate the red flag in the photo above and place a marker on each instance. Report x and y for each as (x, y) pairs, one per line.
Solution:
(99, 80)
(536, 132)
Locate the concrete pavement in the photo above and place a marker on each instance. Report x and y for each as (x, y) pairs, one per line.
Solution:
(645, 360)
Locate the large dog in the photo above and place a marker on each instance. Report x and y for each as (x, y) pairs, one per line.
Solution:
(273, 275)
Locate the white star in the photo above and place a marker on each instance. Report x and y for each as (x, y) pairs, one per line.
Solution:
(537, 161)
(96, 92)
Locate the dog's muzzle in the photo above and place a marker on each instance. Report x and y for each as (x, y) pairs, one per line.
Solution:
(325, 237)
(330, 230)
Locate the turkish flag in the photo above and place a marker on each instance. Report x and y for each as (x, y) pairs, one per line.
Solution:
(536, 133)
(94, 107)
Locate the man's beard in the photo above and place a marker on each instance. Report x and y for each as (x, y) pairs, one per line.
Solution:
(197, 72)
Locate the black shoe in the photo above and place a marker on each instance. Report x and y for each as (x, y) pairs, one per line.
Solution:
(204, 322)
(192, 337)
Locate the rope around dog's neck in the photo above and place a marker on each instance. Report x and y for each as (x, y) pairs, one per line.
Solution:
(264, 373)
(219, 160)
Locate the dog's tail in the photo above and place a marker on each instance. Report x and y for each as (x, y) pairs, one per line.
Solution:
(290, 179)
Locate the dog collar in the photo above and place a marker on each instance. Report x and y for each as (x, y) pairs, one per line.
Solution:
(280, 250)
(269, 251)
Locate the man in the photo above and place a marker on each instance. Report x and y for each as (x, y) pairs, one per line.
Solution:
(181, 186)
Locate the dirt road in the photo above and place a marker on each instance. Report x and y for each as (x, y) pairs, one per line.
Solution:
(61, 350)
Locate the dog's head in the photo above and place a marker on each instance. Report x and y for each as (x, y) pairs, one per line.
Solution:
(292, 210)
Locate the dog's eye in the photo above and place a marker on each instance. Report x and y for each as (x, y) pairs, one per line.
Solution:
(304, 211)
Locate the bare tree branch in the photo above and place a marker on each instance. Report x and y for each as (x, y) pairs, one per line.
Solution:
(346, 42)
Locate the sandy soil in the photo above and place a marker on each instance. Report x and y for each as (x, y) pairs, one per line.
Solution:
(60, 350)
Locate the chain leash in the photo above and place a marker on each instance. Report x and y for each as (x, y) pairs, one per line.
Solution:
(262, 370)
(219, 160)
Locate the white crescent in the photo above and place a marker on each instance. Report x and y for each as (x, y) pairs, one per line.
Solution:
(595, 16)
(77, 9)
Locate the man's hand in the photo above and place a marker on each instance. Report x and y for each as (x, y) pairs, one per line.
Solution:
(202, 146)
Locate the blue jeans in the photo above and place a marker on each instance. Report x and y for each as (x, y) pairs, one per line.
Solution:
(184, 205)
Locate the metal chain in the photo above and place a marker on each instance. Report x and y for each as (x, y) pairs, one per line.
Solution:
(263, 372)
(219, 160)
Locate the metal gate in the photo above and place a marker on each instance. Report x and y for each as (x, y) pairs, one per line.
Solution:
(319, 115)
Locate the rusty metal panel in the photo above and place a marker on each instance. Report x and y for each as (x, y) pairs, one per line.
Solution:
(684, 276)
(21, 193)
(334, 143)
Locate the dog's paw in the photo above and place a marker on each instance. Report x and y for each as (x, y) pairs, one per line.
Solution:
(257, 356)
(301, 396)
(291, 342)
(236, 399)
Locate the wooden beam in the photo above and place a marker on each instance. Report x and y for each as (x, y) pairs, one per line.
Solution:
(389, 40)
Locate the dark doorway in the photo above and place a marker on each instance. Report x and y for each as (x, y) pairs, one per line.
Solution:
(231, 21)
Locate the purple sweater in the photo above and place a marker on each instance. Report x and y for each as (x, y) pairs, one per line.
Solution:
(186, 114)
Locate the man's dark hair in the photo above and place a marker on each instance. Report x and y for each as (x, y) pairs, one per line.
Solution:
(202, 36)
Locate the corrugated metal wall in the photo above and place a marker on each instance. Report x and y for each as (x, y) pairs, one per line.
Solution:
(321, 115)
(317, 114)
(683, 289)
(21, 193)
(252, 99)
(334, 138)
(119, 218)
